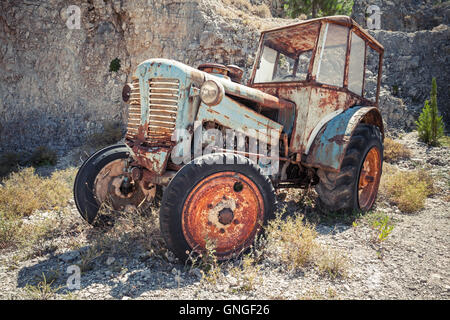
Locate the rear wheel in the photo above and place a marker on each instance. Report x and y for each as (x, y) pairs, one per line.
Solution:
(355, 186)
(226, 204)
(102, 180)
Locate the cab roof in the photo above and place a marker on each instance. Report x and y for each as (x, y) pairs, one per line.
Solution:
(305, 33)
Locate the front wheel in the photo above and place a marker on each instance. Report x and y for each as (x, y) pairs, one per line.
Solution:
(355, 186)
(102, 180)
(221, 198)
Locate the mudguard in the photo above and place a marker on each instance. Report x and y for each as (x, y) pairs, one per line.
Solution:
(330, 144)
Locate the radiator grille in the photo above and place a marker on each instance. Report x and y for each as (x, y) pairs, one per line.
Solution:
(134, 110)
(163, 108)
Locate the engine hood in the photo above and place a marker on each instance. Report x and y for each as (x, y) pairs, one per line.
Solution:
(174, 69)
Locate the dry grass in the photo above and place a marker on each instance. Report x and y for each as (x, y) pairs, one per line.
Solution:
(394, 151)
(294, 243)
(406, 189)
(13, 161)
(129, 231)
(295, 240)
(24, 192)
(253, 16)
(261, 10)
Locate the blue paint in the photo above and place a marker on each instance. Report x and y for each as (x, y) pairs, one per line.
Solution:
(329, 150)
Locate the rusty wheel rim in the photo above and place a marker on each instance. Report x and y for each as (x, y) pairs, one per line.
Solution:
(369, 179)
(107, 188)
(226, 208)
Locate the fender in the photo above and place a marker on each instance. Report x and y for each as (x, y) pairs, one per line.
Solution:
(330, 144)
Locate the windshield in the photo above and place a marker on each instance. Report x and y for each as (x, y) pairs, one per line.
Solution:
(286, 54)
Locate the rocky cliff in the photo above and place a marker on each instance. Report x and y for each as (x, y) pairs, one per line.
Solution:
(416, 36)
(56, 86)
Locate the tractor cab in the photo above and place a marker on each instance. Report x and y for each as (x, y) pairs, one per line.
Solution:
(324, 66)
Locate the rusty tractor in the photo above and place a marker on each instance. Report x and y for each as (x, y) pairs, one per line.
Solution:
(216, 149)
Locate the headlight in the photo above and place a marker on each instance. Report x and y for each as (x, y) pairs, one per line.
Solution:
(126, 92)
(212, 92)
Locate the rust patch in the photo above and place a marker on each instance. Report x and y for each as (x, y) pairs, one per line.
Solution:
(339, 139)
(226, 208)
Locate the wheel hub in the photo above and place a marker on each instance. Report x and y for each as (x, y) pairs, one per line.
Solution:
(116, 187)
(226, 216)
(226, 208)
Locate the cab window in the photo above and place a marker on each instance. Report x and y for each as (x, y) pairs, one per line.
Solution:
(332, 58)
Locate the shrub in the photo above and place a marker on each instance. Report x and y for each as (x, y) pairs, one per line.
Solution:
(262, 11)
(430, 126)
(24, 192)
(295, 240)
(43, 156)
(110, 134)
(114, 66)
(393, 151)
(9, 162)
(406, 189)
(317, 8)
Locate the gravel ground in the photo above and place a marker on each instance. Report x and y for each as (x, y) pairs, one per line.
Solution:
(413, 263)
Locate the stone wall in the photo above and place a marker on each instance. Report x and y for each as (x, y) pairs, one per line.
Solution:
(55, 83)
(415, 35)
(405, 15)
(56, 87)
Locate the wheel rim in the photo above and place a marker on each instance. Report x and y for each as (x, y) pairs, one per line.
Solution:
(226, 208)
(369, 178)
(108, 188)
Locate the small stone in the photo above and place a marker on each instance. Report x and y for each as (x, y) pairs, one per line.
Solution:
(110, 261)
(196, 272)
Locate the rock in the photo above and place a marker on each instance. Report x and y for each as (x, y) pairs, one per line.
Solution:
(196, 272)
(69, 256)
(110, 261)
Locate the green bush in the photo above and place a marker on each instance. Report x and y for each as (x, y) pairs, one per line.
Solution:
(114, 66)
(318, 8)
(430, 126)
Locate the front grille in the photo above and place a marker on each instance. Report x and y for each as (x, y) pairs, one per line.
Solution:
(163, 108)
(134, 111)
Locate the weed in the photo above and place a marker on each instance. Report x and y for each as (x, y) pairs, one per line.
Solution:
(394, 151)
(384, 227)
(445, 141)
(43, 290)
(24, 192)
(406, 189)
(9, 229)
(331, 263)
(246, 274)
(206, 261)
(88, 257)
(294, 239)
